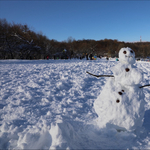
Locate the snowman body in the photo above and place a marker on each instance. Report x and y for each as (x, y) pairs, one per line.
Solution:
(121, 102)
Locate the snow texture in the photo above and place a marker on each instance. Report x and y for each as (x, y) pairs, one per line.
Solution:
(48, 104)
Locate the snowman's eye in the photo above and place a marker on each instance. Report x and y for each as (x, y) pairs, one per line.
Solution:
(120, 93)
(124, 52)
(131, 51)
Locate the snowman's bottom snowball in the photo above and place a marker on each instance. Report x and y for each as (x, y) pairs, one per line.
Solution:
(119, 106)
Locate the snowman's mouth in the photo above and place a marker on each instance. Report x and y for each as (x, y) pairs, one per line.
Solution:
(129, 56)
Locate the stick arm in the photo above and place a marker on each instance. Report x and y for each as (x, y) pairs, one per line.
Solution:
(99, 75)
(144, 86)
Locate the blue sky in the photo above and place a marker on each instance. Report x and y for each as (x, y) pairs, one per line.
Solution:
(120, 19)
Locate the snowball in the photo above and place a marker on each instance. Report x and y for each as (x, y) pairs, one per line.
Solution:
(132, 77)
(127, 56)
(125, 111)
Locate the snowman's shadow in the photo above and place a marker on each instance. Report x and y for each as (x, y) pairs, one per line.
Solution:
(146, 123)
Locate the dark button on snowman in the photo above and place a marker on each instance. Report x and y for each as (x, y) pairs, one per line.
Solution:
(121, 102)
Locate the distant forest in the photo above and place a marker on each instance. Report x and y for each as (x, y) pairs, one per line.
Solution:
(19, 42)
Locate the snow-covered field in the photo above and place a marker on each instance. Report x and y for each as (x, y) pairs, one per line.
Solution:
(48, 104)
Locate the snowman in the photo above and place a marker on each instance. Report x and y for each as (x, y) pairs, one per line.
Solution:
(120, 104)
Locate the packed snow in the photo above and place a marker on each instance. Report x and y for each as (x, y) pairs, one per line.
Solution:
(49, 104)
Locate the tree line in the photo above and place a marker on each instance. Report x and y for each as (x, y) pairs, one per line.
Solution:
(18, 41)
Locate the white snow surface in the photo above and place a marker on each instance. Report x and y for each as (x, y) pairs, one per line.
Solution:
(48, 104)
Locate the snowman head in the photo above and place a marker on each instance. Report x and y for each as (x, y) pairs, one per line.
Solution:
(127, 56)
